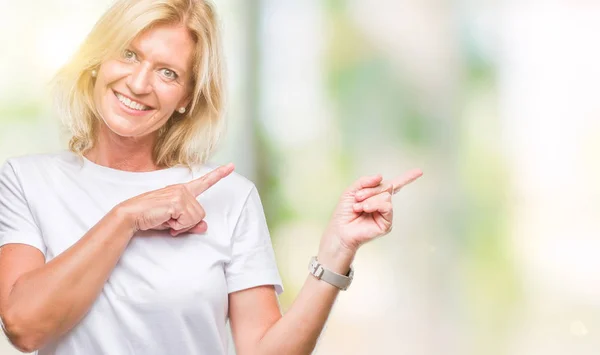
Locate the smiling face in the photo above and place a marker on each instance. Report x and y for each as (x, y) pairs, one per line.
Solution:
(136, 93)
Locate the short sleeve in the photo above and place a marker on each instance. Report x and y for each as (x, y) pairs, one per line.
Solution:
(252, 257)
(16, 221)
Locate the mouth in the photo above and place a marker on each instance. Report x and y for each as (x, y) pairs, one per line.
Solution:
(131, 106)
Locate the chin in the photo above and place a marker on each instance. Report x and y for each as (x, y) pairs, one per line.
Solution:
(124, 127)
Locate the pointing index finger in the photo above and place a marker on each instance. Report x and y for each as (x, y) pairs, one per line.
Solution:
(201, 184)
(405, 179)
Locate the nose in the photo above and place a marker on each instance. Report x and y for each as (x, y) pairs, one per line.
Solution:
(139, 80)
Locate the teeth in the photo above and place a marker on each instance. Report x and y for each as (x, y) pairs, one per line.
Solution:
(131, 104)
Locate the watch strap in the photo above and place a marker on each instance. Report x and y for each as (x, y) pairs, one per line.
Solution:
(321, 273)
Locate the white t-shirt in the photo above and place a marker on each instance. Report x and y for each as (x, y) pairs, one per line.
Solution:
(167, 295)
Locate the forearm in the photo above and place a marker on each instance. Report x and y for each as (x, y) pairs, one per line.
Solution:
(298, 330)
(48, 301)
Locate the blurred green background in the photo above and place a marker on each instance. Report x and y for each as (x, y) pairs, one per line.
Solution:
(494, 249)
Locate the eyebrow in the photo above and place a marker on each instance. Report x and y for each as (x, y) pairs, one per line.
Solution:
(137, 50)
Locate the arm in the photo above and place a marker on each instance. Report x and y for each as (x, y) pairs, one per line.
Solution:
(298, 330)
(39, 302)
(364, 213)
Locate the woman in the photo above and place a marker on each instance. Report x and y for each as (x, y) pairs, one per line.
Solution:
(129, 243)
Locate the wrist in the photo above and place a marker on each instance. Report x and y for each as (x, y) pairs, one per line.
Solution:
(122, 216)
(335, 256)
(320, 272)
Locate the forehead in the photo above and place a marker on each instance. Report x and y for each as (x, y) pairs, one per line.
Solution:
(166, 44)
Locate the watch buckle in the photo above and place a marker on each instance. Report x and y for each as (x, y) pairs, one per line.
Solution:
(317, 270)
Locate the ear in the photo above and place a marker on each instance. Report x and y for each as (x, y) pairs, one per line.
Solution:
(185, 102)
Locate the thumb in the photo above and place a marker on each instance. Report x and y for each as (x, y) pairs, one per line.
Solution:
(199, 228)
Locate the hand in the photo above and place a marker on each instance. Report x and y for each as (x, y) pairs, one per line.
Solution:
(174, 207)
(365, 212)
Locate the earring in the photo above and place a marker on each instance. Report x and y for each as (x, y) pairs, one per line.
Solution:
(94, 73)
(181, 110)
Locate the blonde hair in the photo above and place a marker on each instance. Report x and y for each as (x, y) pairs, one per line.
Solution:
(188, 139)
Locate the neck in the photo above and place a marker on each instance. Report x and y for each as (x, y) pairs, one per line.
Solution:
(122, 153)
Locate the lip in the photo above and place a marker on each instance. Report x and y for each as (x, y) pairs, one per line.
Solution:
(128, 110)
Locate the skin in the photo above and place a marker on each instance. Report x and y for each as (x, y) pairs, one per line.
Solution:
(72, 281)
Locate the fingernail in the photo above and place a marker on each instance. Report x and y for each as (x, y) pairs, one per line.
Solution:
(357, 206)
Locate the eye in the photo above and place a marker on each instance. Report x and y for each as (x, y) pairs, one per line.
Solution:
(169, 74)
(129, 56)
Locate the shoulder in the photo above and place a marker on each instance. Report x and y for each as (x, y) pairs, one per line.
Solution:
(36, 165)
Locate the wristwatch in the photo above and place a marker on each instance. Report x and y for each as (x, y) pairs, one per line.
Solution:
(340, 281)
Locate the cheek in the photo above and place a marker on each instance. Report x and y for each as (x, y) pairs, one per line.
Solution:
(98, 89)
(108, 73)
(169, 96)
(112, 70)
